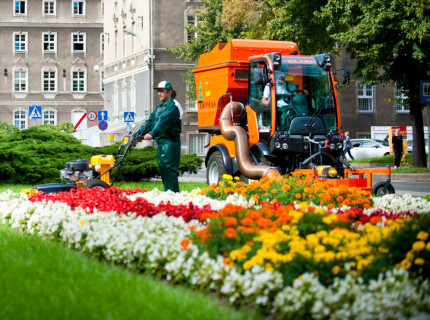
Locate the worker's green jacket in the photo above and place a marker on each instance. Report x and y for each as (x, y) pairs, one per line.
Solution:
(163, 123)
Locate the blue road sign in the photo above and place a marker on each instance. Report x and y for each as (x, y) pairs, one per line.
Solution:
(103, 125)
(35, 112)
(425, 91)
(102, 115)
(128, 116)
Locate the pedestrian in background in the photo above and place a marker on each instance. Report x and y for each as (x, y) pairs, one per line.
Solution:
(397, 147)
(347, 147)
(164, 126)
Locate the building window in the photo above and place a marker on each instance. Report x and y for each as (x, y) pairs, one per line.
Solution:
(20, 42)
(78, 81)
(49, 117)
(78, 42)
(197, 144)
(49, 7)
(49, 81)
(49, 42)
(365, 98)
(20, 119)
(102, 43)
(401, 106)
(191, 23)
(20, 7)
(102, 6)
(20, 81)
(78, 7)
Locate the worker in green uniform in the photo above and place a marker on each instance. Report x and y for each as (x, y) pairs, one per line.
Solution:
(164, 126)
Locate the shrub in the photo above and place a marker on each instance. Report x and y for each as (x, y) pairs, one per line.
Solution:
(36, 155)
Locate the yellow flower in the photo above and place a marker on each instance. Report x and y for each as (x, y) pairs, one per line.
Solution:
(236, 178)
(335, 270)
(405, 264)
(419, 261)
(269, 267)
(428, 246)
(227, 177)
(418, 246)
(303, 205)
(422, 235)
(82, 222)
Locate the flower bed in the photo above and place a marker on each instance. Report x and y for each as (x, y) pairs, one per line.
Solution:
(295, 260)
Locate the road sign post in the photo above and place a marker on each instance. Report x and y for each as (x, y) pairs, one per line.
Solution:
(102, 115)
(35, 112)
(128, 117)
(92, 116)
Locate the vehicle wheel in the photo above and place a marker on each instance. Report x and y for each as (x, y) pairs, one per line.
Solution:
(378, 189)
(386, 154)
(97, 184)
(215, 169)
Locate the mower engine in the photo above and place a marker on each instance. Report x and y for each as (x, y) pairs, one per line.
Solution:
(78, 171)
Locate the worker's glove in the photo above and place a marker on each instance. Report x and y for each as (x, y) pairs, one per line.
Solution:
(136, 136)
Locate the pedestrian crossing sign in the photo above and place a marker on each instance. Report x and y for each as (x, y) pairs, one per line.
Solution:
(35, 112)
(128, 116)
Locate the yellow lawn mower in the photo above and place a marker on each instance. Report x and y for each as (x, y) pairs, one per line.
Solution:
(96, 172)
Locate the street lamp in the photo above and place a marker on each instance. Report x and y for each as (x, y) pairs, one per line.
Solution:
(126, 31)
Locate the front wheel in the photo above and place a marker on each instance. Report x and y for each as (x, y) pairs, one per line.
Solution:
(97, 184)
(215, 168)
(378, 189)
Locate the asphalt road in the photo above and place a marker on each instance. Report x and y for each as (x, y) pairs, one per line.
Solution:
(415, 184)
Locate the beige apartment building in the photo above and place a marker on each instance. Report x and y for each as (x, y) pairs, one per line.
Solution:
(137, 36)
(51, 56)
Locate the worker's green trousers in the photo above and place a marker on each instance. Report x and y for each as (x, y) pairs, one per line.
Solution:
(168, 157)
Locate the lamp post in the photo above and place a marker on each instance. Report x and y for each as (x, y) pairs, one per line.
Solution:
(126, 31)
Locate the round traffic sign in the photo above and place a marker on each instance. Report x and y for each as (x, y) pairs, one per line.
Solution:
(92, 116)
(103, 125)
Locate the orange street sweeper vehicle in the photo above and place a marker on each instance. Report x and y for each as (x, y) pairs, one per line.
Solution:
(271, 111)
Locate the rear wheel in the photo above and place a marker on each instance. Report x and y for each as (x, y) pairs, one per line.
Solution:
(215, 168)
(378, 189)
(97, 184)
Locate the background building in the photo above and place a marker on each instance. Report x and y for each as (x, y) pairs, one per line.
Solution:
(50, 56)
(137, 37)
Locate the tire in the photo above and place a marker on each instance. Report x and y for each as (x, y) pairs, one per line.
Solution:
(378, 189)
(97, 184)
(215, 168)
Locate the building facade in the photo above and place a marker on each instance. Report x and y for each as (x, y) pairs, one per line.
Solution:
(51, 57)
(137, 37)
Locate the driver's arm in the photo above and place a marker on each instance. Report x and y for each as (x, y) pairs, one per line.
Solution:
(265, 101)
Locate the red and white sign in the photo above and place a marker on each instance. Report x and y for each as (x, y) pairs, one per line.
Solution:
(92, 116)
(80, 120)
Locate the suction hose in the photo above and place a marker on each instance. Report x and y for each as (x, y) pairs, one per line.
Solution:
(236, 110)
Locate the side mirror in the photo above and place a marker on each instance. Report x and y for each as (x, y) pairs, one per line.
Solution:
(259, 76)
(346, 76)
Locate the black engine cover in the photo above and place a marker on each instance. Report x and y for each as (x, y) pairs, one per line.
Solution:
(78, 165)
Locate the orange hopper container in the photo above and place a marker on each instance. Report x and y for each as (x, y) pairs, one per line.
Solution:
(225, 70)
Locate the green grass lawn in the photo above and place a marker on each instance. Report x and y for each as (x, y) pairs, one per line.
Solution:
(148, 185)
(46, 280)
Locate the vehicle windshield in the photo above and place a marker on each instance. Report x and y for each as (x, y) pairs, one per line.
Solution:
(303, 89)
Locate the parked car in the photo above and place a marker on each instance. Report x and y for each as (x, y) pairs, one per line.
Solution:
(369, 148)
(411, 144)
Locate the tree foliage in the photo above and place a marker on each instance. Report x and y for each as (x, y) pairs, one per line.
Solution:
(391, 42)
(36, 156)
(389, 39)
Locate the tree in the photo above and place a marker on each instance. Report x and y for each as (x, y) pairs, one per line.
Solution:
(388, 38)
(391, 42)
